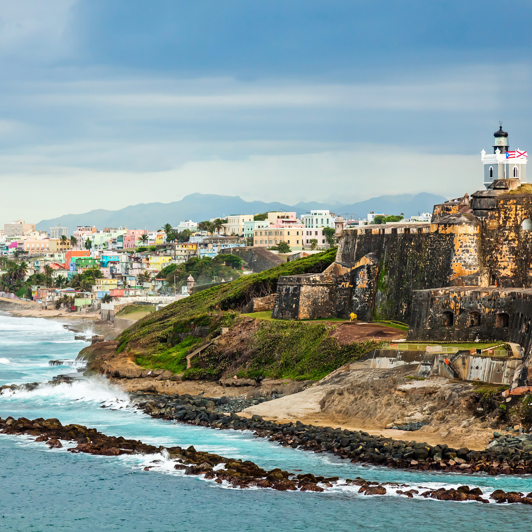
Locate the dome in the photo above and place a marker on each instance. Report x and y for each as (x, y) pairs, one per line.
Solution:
(339, 219)
(500, 133)
(190, 278)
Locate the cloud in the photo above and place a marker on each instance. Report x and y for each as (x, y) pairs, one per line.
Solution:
(340, 176)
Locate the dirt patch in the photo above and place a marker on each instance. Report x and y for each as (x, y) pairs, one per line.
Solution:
(347, 333)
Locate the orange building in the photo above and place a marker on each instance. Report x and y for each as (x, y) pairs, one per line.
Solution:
(72, 253)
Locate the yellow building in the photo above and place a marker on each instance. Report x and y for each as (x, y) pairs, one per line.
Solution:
(158, 263)
(272, 236)
(46, 245)
(106, 284)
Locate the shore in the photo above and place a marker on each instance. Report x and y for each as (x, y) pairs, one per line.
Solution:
(88, 324)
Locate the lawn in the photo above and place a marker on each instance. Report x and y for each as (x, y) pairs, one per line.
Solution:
(267, 315)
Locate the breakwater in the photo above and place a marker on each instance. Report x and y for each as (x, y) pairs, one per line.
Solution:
(509, 456)
(236, 473)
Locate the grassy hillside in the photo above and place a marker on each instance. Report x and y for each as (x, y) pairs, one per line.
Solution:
(161, 330)
(278, 350)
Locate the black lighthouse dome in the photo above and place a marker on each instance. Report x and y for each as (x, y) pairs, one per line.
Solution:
(500, 133)
(500, 141)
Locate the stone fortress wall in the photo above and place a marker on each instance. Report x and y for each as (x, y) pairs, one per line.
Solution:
(473, 260)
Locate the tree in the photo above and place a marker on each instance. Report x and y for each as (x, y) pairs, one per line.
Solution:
(386, 219)
(184, 236)
(260, 217)
(107, 298)
(64, 239)
(283, 247)
(329, 232)
(144, 238)
(88, 243)
(206, 226)
(48, 271)
(218, 224)
(313, 243)
(73, 241)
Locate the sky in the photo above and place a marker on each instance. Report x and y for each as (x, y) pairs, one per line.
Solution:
(105, 104)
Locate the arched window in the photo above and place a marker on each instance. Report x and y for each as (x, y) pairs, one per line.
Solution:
(502, 320)
(491, 171)
(448, 318)
(474, 318)
(516, 172)
(527, 225)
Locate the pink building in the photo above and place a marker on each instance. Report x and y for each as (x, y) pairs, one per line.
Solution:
(314, 234)
(82, 233)
(132, 237)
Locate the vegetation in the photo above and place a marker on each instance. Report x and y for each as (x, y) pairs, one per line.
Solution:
(386, 219)
(329, 232)
(313, 243)
(525, 188)
(260, 217)
(151, 334)
(279, 350)
(204, 271)
(282, 247)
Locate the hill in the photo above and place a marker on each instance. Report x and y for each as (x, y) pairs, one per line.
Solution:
(199, 207)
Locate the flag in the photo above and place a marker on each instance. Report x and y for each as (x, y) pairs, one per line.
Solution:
(516, 154)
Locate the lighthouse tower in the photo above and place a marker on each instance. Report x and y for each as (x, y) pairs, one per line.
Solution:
(503, 163)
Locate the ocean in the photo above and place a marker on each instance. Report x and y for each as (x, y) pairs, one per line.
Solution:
(43, 489)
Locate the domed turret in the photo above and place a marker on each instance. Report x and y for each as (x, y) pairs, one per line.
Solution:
(501, 140)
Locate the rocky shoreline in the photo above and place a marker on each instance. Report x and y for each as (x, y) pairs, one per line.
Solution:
(234, 472)
(507, 455)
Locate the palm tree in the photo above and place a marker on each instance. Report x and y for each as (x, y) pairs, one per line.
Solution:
(144, 238)
(217, 225)
(73, 241)
(48, 270)
(88, 243)
(23, 269)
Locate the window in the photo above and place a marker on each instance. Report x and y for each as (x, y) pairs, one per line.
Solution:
(516, 172)
(297, 241)
(298, 233)
(502, 320)
(474, 318)
(491, 171)
(448, 318)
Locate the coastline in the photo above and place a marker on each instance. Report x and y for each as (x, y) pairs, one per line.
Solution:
(87, 324)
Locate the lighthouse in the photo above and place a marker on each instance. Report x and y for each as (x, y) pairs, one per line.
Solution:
(503, 163)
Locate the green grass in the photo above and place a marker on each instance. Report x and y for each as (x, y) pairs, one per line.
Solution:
(151, 331)
(280, 350)
(267, 315)
(136, 309)
(173, 359)
(394, 324)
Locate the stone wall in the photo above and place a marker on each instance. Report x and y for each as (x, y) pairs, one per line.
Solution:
(304, 297)
(470, 313)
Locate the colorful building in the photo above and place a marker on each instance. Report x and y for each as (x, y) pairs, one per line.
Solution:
(159, 262)
(69, 255)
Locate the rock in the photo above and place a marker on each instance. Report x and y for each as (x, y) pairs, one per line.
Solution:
(54, 444)
(372, 490)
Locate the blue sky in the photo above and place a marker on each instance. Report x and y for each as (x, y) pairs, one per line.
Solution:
(105, 104)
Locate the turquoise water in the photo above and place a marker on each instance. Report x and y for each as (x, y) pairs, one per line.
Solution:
(42, 489)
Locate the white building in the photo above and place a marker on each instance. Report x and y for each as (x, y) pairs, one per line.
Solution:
(187, 224)
(250, 226)
(235, 224)
(317, 219)
(58, 231)
(371, 216)
(424, 217)
(503, 163)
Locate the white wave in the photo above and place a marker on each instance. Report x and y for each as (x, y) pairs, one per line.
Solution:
(4, 361)
(93, 390)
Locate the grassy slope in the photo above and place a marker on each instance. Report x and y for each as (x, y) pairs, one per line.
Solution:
(151, 334)
(279, 350)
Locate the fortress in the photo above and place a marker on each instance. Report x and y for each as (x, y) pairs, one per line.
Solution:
(466, 275)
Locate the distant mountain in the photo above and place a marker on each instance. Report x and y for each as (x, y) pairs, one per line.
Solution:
(200, 207)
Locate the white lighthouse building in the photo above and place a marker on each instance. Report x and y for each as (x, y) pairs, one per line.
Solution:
(503, 163)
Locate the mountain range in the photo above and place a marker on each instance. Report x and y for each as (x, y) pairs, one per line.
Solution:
(200, 207)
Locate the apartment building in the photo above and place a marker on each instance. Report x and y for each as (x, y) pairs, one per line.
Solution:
(235, 224)
(272, 236)
(18, 228)
(318, 218)
(58, 231)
